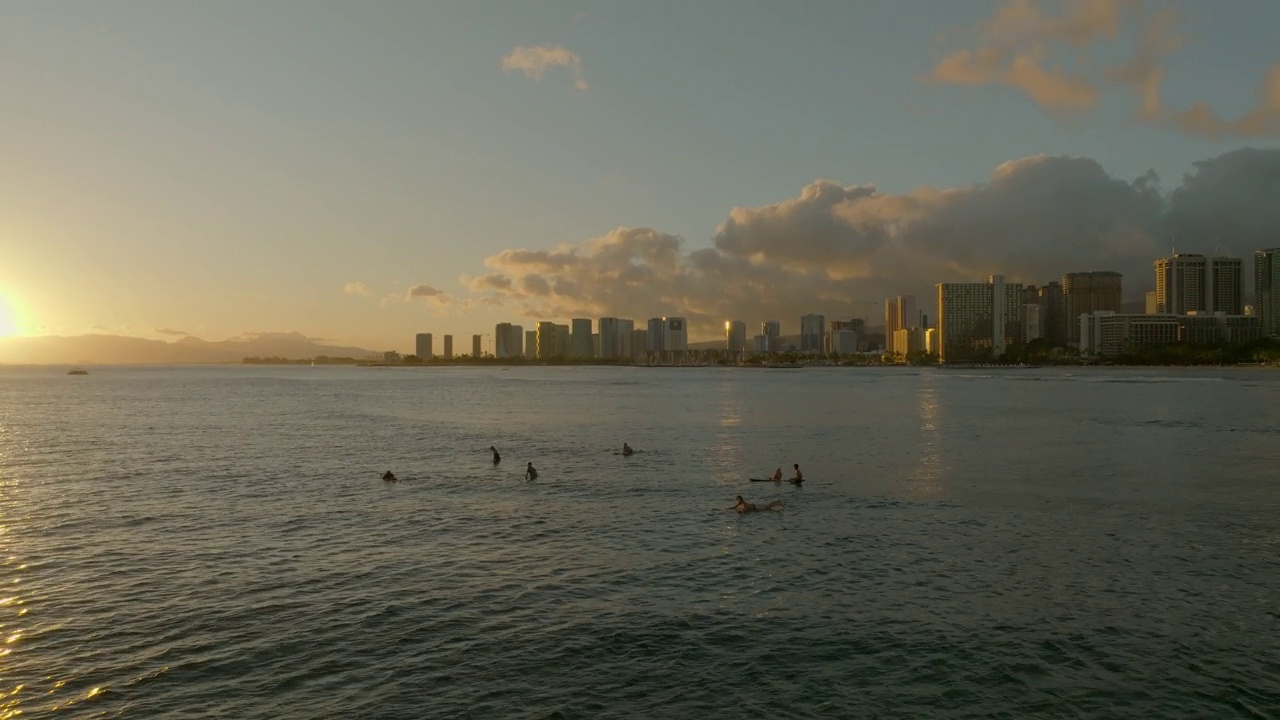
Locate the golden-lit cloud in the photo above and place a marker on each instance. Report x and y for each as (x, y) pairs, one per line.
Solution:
(171, 331)
(535, 60)
(1143, 73)
(839, 249)
(1262, 120)
(355, 288)
(1019, 47)
(1015, 49)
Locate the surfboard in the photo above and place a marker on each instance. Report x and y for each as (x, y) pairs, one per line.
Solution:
(761, 479)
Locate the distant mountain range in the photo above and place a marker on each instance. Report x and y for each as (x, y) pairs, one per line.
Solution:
(121, 350)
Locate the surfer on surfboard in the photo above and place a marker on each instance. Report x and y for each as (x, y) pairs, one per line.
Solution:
(496, 457)
(390, 476)
(530, 473)
(626, 449)
(776, 477)
(798, 477)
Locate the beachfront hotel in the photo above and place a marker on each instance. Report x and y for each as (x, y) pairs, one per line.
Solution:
(978, 321)
(1187, 282)
(1088, 292)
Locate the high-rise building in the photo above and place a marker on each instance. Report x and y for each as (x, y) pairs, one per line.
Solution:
(1032, 321)
(1047, 319)
(530, 344)
(772, 330)
(448, 347)
(508, 340)
(477, 346)
(515, 341)
(610, 337)
(1054, 311)
(1152, 305)
(580, 338)
(655, 336)
(422, 346)
(627, 331)
(845, 342)
(735, 336)
(1181, 282)
(978, 321)
(857, 326)
(900, 312)
(546, 340)
(1187, 282)
(1225, 293)
(639, 343)
(1266, 289)
(907, 341)
(675, 334)
(1087, 292)
(813, 330)
(561, 348)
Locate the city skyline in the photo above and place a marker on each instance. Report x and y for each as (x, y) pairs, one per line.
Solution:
(192, 171)
(1051, 311)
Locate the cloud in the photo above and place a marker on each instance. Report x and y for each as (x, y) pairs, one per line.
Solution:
(1016, 48)
(438, 301)
(534, 60)
(1262, 120)
(424, 291)
(168, 331)
(1143, 74)
(355, 288)
(1227, 202)
(840, 249)
(492, 281)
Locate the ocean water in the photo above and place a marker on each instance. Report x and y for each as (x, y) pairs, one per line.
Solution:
(216, 542)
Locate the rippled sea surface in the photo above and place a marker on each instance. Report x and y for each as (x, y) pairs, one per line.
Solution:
(216, 542)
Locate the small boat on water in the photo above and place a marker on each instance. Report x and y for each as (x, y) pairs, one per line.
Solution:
(77, 371)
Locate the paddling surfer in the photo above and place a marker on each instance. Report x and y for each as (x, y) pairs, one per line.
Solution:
(742, 506)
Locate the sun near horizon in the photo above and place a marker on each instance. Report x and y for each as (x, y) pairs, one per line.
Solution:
(9, 326)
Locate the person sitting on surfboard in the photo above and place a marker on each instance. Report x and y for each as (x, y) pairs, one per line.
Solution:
(798, 477)
(530, 473)
(626, 449)
(777, 475)
(743, 506)
(496, 457)
(390, 476)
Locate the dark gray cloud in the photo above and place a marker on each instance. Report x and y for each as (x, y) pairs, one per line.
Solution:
(1231, 202)
(839, 249)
